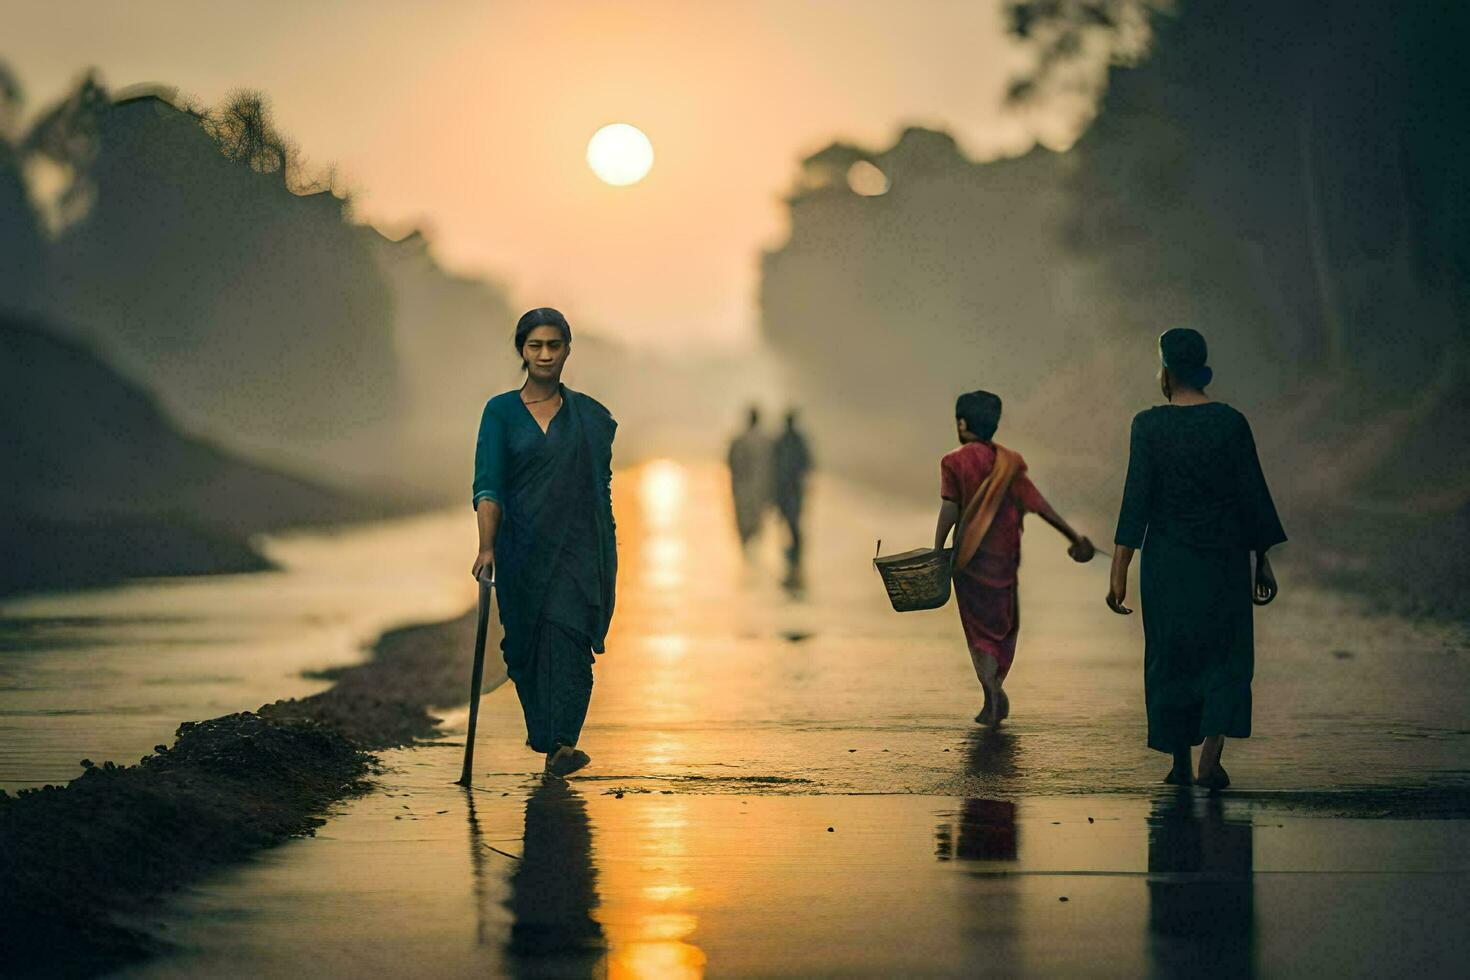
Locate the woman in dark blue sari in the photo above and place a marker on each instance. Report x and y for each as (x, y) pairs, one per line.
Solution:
(1196, 502)
(543, 501)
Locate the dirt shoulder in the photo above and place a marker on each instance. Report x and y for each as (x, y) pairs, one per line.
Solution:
(117, 838)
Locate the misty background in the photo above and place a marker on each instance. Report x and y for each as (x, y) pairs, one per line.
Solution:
(203, 337)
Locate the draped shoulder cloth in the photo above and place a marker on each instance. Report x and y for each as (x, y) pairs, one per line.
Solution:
(981, 509)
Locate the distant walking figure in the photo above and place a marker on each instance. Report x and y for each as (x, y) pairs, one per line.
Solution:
(543, 500)
(1196, 502)
(750, 477)
(987, 550)
(793, 459)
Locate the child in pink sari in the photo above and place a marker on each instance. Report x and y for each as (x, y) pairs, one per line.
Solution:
(988, 556)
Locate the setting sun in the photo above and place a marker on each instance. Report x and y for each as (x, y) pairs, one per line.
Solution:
(620, 154)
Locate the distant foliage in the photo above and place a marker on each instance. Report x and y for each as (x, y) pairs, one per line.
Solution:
(244, 129)
(12, 98)
(195, 247)
(20, 241)
(1075, 41)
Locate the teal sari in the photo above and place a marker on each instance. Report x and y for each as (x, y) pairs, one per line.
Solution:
(555, 552)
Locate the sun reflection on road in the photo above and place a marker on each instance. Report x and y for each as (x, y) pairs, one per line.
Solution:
(663, 547)
(663, 488)
(649, 929)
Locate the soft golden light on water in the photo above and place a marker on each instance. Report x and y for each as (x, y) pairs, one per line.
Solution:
(669, 646)
(663, 561)
(663, 749)
(663, 487)
(665, 961)
(662, 496)
(666, 893)
(648, 933)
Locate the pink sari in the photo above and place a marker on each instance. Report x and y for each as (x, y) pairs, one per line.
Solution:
(985, 585)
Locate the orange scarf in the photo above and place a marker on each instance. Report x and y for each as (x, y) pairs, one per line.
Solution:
(984, 505)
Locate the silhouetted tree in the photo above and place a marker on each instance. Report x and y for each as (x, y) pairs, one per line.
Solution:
(67, 135)
(256, 313)
(245, 131)
(1074, 42)
(21, 249)
(12, 99)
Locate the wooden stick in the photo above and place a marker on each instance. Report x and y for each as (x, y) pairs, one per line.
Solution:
(477, 676)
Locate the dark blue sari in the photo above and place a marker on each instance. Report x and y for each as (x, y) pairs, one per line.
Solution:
(1196, 502)
(555, 552)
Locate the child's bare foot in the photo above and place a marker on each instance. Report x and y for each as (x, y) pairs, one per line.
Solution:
(987, 710)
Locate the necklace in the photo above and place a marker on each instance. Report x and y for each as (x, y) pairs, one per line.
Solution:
(537, 401)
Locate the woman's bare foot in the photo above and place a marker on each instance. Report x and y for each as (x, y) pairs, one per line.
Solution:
(1211, 773)
(566, 760)
(1183, 772)
(1214, 778)
(1003, 705)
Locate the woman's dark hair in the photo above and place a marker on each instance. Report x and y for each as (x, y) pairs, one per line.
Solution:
(541, 316)
(981, 412)
(1184, 354)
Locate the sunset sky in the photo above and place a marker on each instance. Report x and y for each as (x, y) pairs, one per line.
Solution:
(471, 120)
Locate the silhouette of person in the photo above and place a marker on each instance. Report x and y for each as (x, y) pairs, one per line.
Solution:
(792, 460)
(750, 477)
(553, 889)
(1196, 502)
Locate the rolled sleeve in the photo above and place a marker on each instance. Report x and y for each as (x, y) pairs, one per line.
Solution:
(489, 459)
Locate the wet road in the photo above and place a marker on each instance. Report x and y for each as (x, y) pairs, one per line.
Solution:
(108, 673)
(734, 723)
(716, 675)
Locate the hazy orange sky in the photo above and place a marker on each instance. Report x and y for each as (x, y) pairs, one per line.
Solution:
(471, 120)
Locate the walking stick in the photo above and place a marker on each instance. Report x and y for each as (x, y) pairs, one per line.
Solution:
(476, 677)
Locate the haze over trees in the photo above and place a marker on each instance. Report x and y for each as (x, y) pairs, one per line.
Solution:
(1289, 178)
(198, 269)
(197, 252)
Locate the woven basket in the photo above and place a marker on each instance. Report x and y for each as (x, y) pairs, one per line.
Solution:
(917, 579)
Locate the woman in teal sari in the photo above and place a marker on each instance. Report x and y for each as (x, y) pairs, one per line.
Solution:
(543, 501)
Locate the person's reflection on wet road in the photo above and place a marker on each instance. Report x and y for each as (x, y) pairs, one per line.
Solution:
(553, 889)
(983, 830)
(990, 757)
(1200, 888)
